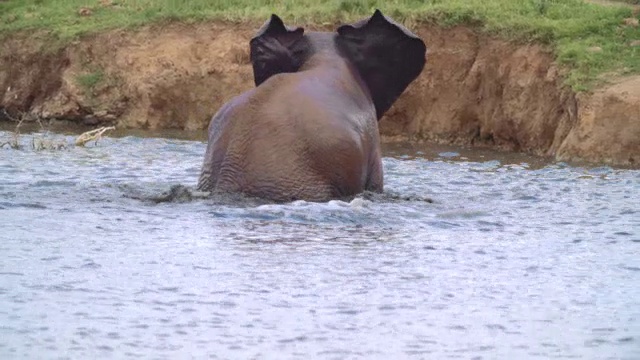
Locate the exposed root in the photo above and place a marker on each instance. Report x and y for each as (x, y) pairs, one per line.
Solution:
(14, 141)
(93, 135)
(43, 141)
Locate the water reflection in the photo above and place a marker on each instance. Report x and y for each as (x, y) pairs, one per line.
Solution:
(514, 258)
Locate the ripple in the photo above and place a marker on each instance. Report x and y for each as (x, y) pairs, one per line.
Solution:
(623, 233)
(51, 258)
(173, 289)
(6, 205)
(630, 268)
(45, 183)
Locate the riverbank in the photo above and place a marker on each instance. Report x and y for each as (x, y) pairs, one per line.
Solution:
(549, 78)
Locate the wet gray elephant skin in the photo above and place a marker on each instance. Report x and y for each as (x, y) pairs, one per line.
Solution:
(309, 129)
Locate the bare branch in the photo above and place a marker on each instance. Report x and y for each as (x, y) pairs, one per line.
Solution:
(92, 135)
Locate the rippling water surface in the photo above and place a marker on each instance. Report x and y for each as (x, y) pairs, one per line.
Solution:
(514, 259)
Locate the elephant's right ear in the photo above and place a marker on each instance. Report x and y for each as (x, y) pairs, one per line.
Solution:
(275, 49)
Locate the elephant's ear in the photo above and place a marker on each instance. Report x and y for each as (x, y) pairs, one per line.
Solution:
(275, 49)
(386, 54)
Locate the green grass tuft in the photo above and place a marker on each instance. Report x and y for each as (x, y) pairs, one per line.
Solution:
(572, 27)
(90, 80)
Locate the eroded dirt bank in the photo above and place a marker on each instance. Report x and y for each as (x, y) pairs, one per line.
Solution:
(474, 90)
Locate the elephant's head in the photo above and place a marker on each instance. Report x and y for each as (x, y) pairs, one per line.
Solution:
(386, 55)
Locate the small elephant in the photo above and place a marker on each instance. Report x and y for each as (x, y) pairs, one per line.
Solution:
(309, 129)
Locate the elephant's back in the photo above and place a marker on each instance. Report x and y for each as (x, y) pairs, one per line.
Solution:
(286, 143)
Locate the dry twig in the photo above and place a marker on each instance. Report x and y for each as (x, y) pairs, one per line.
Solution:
(14, 141)
(92, 135)
(43, 142)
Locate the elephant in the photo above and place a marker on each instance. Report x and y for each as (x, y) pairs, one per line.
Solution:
(308, 130)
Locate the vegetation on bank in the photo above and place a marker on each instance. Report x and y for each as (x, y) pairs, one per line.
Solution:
(591, 39)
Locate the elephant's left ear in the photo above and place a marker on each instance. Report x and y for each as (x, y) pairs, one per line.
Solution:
(275, 49)
(387, 55)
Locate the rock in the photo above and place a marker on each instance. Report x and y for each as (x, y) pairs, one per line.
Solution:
(635, 43)
(594, 49)
(91, 120)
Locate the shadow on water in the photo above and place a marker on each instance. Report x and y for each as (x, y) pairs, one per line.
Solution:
(451, 153)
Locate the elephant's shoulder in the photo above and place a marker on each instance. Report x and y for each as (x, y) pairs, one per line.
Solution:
(227, 111)
(235, 103)
(239, 100)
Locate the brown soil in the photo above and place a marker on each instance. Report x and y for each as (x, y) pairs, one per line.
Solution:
(474, 90)
(608, 130)
(484, 91)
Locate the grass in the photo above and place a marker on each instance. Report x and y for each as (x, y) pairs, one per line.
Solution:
(573, 27)
(90, 80)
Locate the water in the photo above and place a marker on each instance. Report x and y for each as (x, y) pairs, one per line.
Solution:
(516, 258)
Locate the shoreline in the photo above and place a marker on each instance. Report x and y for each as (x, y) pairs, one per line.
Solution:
(477, 89)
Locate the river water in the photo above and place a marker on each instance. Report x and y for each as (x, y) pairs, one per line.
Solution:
(515, 258)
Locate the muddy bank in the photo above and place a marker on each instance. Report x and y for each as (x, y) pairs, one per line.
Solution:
(474, 90)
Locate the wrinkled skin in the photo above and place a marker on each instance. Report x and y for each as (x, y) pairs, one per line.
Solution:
(309, 129)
